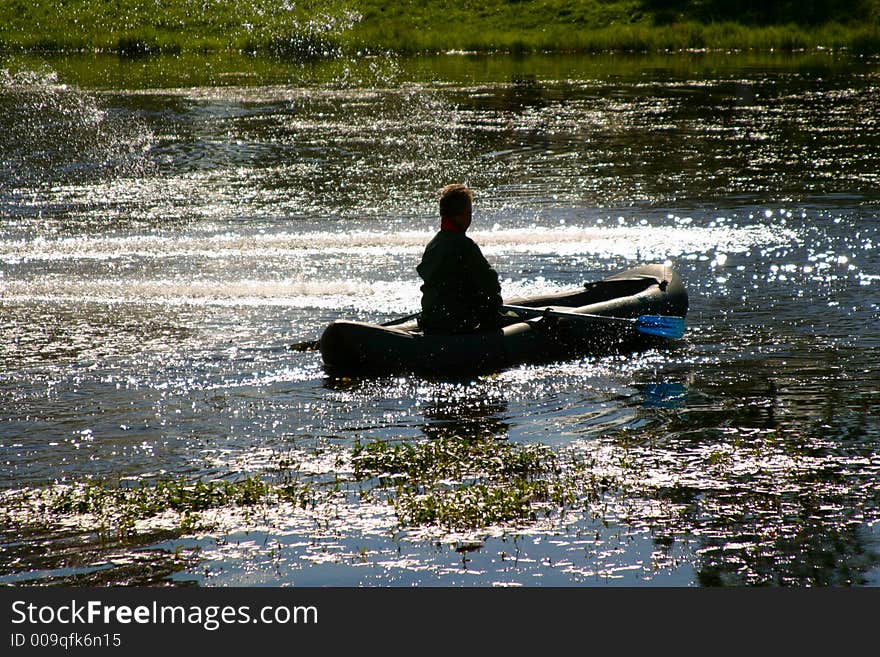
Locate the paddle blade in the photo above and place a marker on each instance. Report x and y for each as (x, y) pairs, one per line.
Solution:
(664, 326)
(307, 345)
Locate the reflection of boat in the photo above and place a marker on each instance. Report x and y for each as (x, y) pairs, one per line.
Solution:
(357, 347)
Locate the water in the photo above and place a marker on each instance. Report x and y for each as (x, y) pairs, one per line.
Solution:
(169, 227)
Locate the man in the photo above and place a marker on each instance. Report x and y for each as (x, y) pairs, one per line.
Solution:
(461, 293)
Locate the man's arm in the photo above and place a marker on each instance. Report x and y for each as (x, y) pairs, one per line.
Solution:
(485, 277)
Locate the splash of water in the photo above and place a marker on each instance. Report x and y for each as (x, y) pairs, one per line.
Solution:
(56, 133)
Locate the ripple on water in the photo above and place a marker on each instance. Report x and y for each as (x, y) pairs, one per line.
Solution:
(161, 248)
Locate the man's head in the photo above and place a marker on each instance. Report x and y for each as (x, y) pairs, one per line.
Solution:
(456, 204)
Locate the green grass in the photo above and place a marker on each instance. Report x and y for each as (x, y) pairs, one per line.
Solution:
(321, 28)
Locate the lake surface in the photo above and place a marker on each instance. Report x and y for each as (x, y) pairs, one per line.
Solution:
(170, 226)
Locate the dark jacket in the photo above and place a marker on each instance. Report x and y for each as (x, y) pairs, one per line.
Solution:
(461, 292)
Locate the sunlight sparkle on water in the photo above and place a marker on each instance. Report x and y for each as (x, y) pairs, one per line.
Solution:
(161, 247)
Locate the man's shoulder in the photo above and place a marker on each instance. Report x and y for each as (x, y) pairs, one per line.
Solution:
(450, 239)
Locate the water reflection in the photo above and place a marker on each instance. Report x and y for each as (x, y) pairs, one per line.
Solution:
(525, 92)
(465, 414)
(82, 558)
(663, 395)
(764, 478)
(814, 547)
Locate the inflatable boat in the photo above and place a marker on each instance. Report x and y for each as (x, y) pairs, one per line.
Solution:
(635, 309)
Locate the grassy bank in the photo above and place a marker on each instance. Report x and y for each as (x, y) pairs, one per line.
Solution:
(318, 28)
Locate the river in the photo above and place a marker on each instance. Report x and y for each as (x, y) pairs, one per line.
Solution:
(171, 225)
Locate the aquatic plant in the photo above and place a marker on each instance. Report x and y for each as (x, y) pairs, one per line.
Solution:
(448, 483)
(116, 509)
(464, 484)
(451, 457)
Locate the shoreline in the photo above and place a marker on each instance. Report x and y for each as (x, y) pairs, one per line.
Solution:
(97, 71)
(343, 28)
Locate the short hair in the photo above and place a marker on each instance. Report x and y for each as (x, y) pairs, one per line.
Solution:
(455, 200)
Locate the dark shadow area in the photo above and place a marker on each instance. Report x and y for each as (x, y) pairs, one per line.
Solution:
(757, 12)
(53, 555)
(471, 417)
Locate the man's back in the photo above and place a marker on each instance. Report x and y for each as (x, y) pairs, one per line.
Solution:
(461, 292)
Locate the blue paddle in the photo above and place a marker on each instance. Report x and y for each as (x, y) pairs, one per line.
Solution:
(664, 326)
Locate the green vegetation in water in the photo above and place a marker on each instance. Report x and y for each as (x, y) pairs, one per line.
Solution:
(322, 28)
(764, 482)
(114, 509)
(451, 482)
(465, 484)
